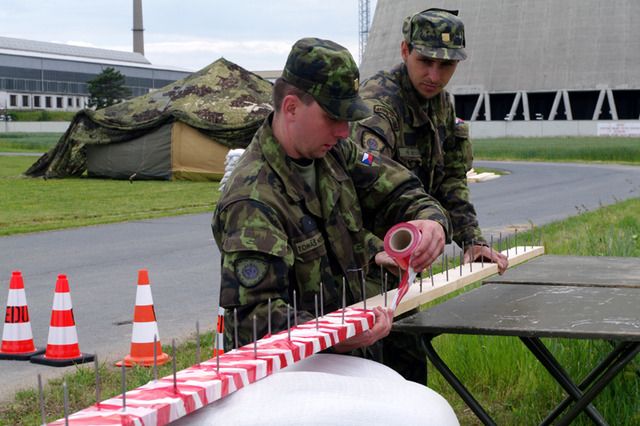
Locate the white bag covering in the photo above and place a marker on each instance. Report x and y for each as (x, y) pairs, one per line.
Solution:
(332, 390)
(229, 164)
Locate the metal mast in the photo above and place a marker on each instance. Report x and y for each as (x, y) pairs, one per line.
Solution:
(364, 19)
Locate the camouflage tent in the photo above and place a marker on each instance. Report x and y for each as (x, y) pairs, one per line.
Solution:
(181, 131)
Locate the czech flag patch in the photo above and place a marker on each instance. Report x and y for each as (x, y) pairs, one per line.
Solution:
(367, 158)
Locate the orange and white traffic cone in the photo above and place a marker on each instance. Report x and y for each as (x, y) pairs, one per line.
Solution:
(62, 344)
(145, 329)
(17, 339)
(218, 347)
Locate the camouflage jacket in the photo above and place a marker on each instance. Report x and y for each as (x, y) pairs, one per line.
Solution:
(425, 138)
(277, 235)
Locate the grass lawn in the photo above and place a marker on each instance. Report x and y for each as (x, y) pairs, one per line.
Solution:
(28, 142)
(29, 205)
(579, 149)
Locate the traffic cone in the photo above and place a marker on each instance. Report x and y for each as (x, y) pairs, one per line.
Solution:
(62, 344)
(218, 347)
(145, 328)
(17, 340)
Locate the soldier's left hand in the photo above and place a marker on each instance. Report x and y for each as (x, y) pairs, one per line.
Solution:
(431, 244)
(383, 259)
(489, 255)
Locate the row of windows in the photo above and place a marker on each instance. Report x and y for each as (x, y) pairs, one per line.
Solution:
(38, 101)
(57, 87)
(66, 87)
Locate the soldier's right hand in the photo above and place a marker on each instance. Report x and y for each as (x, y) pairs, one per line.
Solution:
(431, 244)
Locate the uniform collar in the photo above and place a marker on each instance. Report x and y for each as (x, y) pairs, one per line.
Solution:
(330, 173)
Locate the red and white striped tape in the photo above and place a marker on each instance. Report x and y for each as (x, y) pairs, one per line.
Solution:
(158, 402)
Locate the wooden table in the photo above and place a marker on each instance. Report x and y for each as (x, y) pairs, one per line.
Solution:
(593, 271)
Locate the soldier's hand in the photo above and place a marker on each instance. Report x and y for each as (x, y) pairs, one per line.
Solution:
(431, 244)
(381, 328)
(489, 255)
(383, 259)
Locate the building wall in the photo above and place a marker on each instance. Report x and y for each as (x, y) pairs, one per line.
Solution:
(540, 48)
(57, 83)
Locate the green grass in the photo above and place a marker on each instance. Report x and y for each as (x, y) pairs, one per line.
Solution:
(25, 408)
(28, 142)
(40, 115)
(29, 205)
(578, 149)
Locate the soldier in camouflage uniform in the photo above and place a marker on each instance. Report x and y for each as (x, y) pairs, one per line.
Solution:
(414, 121)
(299, 206)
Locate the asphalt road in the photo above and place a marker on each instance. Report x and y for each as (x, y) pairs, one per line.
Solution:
(101, 262)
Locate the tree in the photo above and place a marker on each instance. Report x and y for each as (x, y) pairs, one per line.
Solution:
(107, 89)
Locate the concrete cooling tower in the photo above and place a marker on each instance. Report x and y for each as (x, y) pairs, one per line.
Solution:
(531, 59)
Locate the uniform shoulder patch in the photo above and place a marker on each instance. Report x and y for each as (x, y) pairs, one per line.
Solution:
(250, 271)
(372, 141)
(388, 115)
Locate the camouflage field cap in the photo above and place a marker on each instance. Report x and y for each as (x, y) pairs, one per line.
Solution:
(436, 33)
(327, 72)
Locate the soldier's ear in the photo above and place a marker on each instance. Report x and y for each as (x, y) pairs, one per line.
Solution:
(290, 105)
(404, 50)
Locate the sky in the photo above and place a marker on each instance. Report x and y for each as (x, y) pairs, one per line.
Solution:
(188, 34)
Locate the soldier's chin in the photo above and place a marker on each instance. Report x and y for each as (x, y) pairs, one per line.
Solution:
(429, 92)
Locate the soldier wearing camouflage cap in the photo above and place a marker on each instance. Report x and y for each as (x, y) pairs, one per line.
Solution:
(414, 120)
(414, 123)
(299, 207)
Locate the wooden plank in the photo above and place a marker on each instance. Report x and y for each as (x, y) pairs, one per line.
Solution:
(441, 286)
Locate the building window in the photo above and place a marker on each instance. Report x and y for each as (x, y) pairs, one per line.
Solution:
(25, 100)
(36, 101)
(69, 102)
(47, 101)
(13, 100)
(78, 102)
(59, 102)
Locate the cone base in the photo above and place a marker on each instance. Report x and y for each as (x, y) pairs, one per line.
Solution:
(62, 362)
(129, 361)
(20, 356)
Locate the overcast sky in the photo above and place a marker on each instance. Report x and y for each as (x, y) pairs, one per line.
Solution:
(189, 34)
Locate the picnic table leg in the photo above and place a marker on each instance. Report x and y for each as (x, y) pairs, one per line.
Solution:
(630, 352)
(591, 377)
(540, 351)
(455, 383)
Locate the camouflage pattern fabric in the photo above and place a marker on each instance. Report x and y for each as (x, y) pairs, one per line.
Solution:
(436, 33)
(222, 100)
(277, 235)
(327, 72)
(425, 138)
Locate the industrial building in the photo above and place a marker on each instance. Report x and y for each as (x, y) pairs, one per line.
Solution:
(531, 60)
(52, 76)
(42, 75)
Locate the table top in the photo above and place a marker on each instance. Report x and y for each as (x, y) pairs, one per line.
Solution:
(534, 311)
(575, 270)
